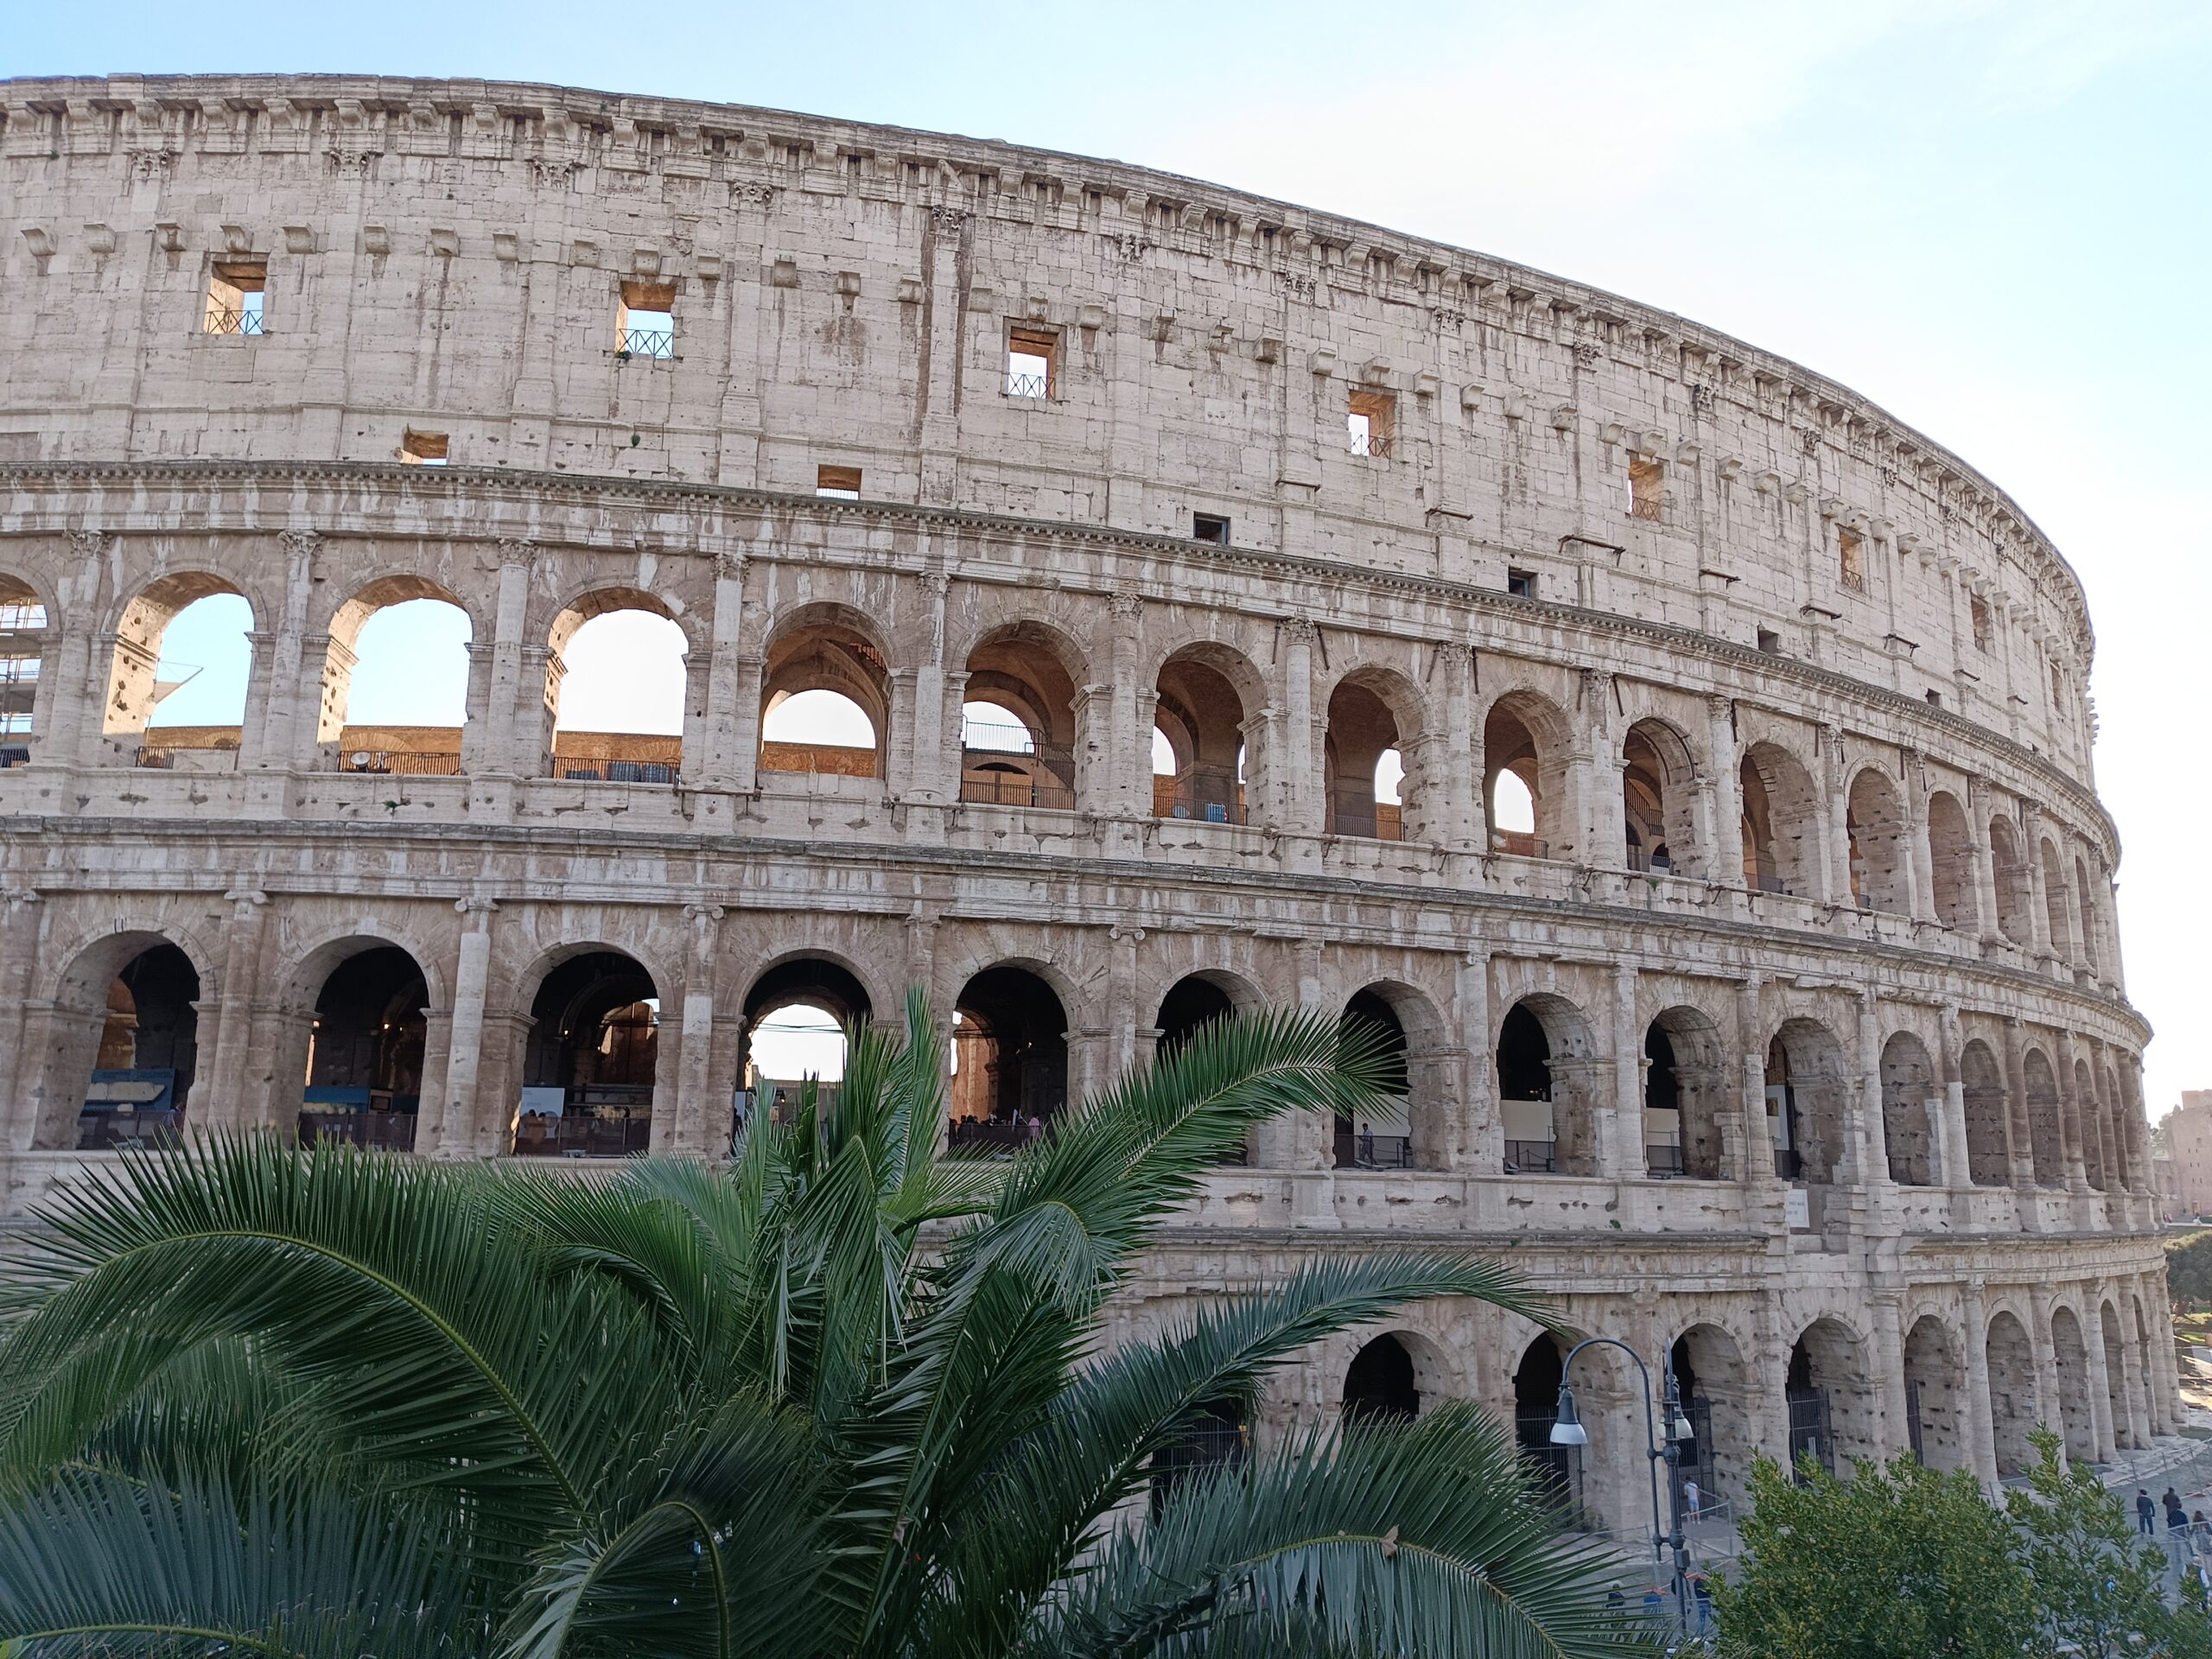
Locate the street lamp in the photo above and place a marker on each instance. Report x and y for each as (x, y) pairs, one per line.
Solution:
(1567, 1430)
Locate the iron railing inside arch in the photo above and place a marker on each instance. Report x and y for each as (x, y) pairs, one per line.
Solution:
(1028, 385)
(1376, 445)
(224, 320)
(648, 342)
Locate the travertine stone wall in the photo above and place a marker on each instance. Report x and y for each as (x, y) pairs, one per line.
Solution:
(1807, 600)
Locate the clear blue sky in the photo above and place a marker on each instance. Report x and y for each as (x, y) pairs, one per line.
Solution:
(1992, 218)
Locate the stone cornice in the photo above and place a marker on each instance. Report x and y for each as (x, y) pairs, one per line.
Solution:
(520, 486)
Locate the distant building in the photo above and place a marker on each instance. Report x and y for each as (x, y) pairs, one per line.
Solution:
(2188, 1133)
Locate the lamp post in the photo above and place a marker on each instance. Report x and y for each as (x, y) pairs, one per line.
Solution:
(1666, 1529)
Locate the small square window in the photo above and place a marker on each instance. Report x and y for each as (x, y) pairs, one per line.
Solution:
(1647, 488)
(1210, 527)
(423, 449)
(840, 483)
(235, 288)
(1850, 559)
(1935, 698)
(1770, 642)
(1522, 584)
(1032, 363)
(1984, 629)
(1371, 422)
(644, 321)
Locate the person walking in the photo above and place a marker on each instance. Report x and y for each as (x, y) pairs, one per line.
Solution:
(2146, 1513)
(1367, 1145)
(1690, 1495)
(2177, 1516)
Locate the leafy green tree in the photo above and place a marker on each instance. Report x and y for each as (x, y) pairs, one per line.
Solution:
(1897, 1561)
(2098, 1581)
(846, 1398)
(2189, 1269)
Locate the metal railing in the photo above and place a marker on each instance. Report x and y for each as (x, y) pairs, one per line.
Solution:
(625, 772)
(109, 1131)
(1531, 1157)
(1519, 843)
(1028, 385)
(1643, 507)
(224, 320)
(1788, 1164)
(1663, 1161)
(647, 342)
(538, 1136)
(996, 736)
(997, 786)
(393, 1131)
(990, 1134)
(1357, 1149)
(1373, 445)
(411, 763)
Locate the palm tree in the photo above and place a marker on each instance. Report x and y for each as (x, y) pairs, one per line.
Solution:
(843, 1398)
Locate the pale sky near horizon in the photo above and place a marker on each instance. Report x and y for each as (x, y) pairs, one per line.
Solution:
(1990, 218)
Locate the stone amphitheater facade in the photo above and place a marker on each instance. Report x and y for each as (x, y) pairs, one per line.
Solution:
(1789, 1040)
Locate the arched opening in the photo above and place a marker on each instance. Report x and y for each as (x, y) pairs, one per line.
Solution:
(148, 1055)
(1825, 1391)
(795, 1018)
(1200, 717)
(2046, 1124)
(2011, 1366)
(1989, 1140)
(615, 685)
(825, 697)
(588, 1065)
(1934, 1396)
(1524, 777)
(1910, 1108)
(1017, 731)
(1009, 1058)
(1685, 1091)
(179, 675)
(1781, 823)
(1556, 1471)
(1881, 876)
(2071, 1355)
(1547, 1087)
(1215, 1436)
(395, 680)
(1716, 1459)
(1657, 782)
(22, 648)
(1951, 871)
(1380, 1389)
(2009, 874)
(1805, 1103)
(363, 1081)
(1192, 1003)
(2085, 913)
(1382, 1138)
(2056, 903)
(1362, 759)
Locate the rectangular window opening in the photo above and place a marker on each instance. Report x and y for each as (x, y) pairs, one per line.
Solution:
(1032, 363)
(423, 449)
(235, 288)
(1983, 628)
(1371, 422)
(1770, 642)
(839, 483)
(1522, 584)
(1647, 490)
(1850, 557)
(1210, 527)
(644, 321)
(1935, 698)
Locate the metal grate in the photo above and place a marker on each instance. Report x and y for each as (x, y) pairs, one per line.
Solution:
(1027, 386)
(1372, 444)
(648, 342)
(1532, 1157)
(224, 320)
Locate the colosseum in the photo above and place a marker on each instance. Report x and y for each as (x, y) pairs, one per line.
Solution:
(1687, 764)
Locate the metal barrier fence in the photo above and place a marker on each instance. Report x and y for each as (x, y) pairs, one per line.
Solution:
(648, 342)
(393, 1131)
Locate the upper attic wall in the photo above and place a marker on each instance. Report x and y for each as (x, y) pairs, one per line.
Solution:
(298, 162)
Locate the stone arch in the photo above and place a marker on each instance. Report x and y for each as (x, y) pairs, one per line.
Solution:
(1718, 1398)
(1881, 863)
(1010, 1055)
(2069, 1354)
(1527, 735)
(824, 646)
(829, 986)
(2090, 1113)
(2117, 1366)
(1382, 1386)
(1911, 1108)
(2046, 1119)
(1780, 827)
(1658, 784)
(2010, 876)
(2012, 1412)
(25, 634)
(1550, 1089)
(647, 747)
(1556, 1471)
(1406, 1128)
(121, 1049)
(1207, 706)
(1827, 1390)
(2057, 901)
(366, 1048)
(1989, 1110)
(347, 620)
(591, 1066)
(1197, 1000)
(1936, 1419)
(1808, 1103)
(1027, 755)
(1951, 864)
(132, 694)
(1688, 1087)
(1372, 713)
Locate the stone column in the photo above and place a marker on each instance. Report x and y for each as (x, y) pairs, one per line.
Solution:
(454, 1132)
(1625, 1157)
(223, 1102)
(1835, 814)
(1985, 867)
(1126, 755)
(1763, 1182)
(19, 976)
(2073, 1117)
(1480, 1144)
(282, 695)
(2016, 1112)
(699, 1123)
(2049, 1411)
(1887, 1350)
(1449, 778)
(1872, 1139)
(931, 770)
(504, 680)
(1725, 857)
(1980, 1424)
(2038, 895)
(1958, 1168)
(726, 761)
(1920, 876)
(1135, 1036)
(1295, 770)
(2100, 1422)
